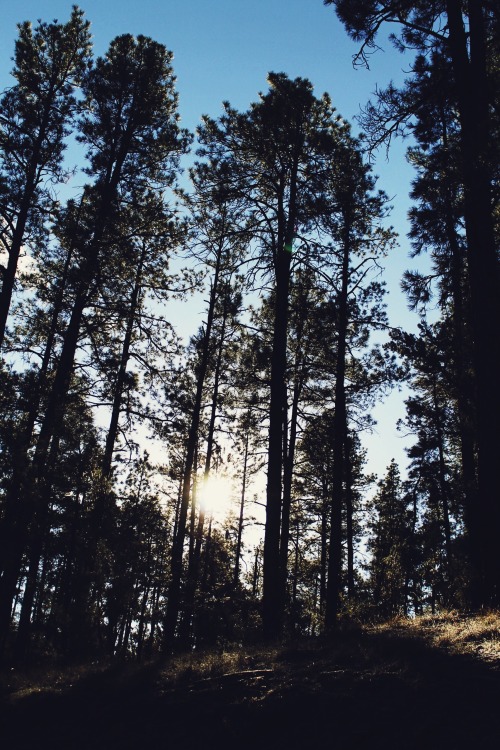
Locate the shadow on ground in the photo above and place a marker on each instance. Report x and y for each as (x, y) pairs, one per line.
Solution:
(364, 690)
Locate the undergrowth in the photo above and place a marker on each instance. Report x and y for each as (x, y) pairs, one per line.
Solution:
(452, 631)
(457, 632)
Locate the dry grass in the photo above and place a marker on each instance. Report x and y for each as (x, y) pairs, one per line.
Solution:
(182, 669)
(452, 631)
(187, 668)
(22, 681)
(458, 633)
(362, 687)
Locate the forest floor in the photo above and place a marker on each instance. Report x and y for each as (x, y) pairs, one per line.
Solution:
(430, 682)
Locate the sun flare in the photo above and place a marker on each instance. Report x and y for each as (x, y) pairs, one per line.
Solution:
(215, 494)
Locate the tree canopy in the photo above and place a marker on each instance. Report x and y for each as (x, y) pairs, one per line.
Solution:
(159, 494)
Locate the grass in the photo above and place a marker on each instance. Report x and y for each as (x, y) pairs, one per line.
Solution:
(453, 632)
(25, 680)
(187, 668)
(430, 681)
(477, 635)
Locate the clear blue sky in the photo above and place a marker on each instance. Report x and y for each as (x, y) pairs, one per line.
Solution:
(223, 50)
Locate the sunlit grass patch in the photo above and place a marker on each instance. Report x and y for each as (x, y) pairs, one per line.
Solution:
(210, 664)
(478, 634)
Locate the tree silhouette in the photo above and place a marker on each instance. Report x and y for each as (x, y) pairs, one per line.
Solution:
(50, 61)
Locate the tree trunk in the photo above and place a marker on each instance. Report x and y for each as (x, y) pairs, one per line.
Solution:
(348, 447)
(236, 574)
(33, 178)
(256, 573)
(272, 602)
(287, 489)
(174, 594)
(472, 89)
(17, 514)
(463, 380)
(51, 424)
(443, 488)
(194, 559)
(122, 370)
(325, 507)
(334, 586)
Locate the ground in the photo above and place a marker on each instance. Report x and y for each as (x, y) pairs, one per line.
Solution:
(432, 683)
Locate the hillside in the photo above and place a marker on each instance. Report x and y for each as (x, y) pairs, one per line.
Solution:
(409, 684)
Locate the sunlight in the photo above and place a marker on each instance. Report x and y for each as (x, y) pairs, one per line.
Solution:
(215, 494)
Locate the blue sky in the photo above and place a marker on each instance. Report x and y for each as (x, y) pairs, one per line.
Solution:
(223, 50)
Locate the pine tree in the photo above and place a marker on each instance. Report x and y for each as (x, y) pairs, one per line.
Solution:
(466, 36)
(277, 153)
(36, 113)
(214, 229)
(390, 545)
(431, 414)
(130, 129)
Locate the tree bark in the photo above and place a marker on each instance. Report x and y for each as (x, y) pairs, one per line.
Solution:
(334, 586)
(472, 95)
(272, 600)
